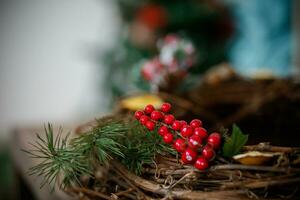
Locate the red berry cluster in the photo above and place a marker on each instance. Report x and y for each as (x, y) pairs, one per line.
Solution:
(191, 140)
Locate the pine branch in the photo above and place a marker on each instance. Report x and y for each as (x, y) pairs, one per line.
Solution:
(126, 141)
(102, 143)
(57, 159)
(142, 146)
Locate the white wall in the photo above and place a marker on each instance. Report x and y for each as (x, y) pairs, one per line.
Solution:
(48, 67)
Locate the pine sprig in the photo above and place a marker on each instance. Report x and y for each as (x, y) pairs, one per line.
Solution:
(101, 143)
(57, 159)
(142, 146)
(68, 161)
(64, 162)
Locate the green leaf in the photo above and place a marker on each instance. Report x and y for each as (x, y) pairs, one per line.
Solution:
(235, 142)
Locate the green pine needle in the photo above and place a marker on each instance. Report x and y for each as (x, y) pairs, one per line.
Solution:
(101, 143)
(142, 146)
(56, 158)
(126, 141)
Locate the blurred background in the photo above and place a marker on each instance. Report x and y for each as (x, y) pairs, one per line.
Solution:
(67, 62)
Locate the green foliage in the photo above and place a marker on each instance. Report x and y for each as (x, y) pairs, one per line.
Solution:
(142, 146)
(127, 142)
(100, 144)
(235, 142)
(56, 158)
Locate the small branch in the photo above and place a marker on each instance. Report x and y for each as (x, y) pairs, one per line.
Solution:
(268, 147)
(255, 168)
(167, 172)
(123, 184)
(178, 193)
(260, 183)
(123, 192)
(89, 192)
(181, 179)
(128, 181)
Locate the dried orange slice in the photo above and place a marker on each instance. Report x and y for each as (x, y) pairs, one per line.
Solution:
(254, 157)
(138, 102)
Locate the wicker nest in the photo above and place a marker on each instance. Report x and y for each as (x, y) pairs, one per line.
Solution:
(167, 178)
(170, 180)
(265, 108)
(249, 103)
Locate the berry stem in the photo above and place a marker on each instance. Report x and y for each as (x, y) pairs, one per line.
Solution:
(170, 128)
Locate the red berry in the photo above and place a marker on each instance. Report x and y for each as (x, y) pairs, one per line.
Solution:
(168, 119)
(138, 114)
(186, 131)
(149, 109)
(189, 156)
(183, 123)
(201, 163)
(168, 138)
(194, 141)
(208, 153)
(214, 140)
(196, 123)
(201, 132)
(176, 125)
(163, 130)
(144, 119)
(179, 145)
(165, 107)
(150, 125)
(156, 115)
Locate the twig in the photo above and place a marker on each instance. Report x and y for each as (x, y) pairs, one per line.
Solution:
(178, 193)
(122, 184)
(119, 172)
(255, 168)
(89, 192)
(167, 172)
(181, 179)
(268, 147)
(123, 192)
(269, 183)
(254, 184)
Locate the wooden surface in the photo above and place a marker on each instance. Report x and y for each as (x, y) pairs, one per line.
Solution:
(21, 161)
